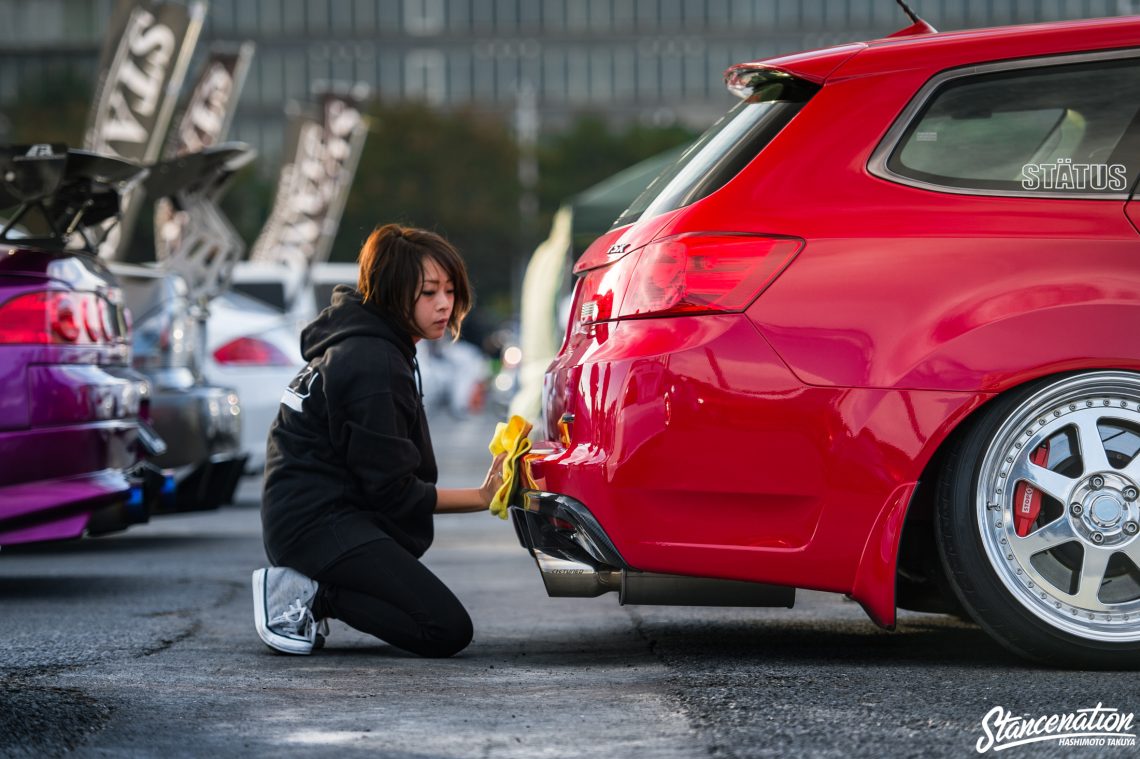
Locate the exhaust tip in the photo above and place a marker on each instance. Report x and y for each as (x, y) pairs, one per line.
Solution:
(565, 577)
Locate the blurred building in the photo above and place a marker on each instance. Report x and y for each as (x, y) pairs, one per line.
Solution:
(656, 61)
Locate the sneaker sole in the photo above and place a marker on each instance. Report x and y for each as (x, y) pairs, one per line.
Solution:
(268, 637)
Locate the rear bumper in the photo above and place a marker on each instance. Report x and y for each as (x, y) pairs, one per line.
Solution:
(701, 454)
(204, 486)
(62, 466)
(697, 450)
(58, 509)
(72, 449)
(534, 514)
(197, 422)
(576, 558)
(202, 427)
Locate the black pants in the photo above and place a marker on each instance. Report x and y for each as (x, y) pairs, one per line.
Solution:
(381, 589)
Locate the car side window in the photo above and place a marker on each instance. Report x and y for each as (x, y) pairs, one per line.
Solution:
(1054, 129)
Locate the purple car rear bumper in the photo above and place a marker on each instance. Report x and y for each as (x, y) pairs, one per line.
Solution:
(57, 509)
(68, 449)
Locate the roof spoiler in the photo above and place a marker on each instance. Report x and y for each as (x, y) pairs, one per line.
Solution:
(745, 80)
(71, 191)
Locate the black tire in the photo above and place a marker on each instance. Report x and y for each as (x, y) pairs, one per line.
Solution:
(1013, 585)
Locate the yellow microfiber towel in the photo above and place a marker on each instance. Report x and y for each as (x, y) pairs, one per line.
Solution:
(510, 438)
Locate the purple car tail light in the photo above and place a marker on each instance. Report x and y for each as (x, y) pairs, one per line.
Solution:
(57, 317)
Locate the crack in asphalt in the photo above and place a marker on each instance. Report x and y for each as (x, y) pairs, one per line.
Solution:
(233, 588)
(166, 643)
(698, 722)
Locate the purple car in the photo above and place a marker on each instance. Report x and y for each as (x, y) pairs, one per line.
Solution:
(71, 437)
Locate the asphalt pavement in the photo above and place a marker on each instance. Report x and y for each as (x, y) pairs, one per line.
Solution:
(141, 644)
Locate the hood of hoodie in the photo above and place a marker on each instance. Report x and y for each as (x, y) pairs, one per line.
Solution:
(349, 316)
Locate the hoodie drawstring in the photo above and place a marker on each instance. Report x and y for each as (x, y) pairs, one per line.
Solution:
(419, 379)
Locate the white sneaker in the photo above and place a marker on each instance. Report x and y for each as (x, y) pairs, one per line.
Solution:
(282, 609)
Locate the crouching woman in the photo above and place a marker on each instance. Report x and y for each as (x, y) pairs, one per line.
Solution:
(350, 474)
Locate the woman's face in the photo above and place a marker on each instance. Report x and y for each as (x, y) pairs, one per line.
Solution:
(435, 301)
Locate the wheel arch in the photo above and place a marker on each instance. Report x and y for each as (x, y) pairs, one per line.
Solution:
(910, 571)
(920, 580)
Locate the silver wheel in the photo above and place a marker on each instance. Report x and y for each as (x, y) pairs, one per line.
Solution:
(1076, 565)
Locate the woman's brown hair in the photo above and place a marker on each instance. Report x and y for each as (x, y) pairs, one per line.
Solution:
(392, 269)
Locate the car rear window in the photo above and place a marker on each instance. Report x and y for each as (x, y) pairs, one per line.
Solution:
(1055, 129)
(272, 293)
(720, 153)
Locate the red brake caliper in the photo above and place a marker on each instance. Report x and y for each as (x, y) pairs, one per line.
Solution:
(1027, 499)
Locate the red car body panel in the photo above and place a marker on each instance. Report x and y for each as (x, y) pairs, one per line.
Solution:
(784, 444)
(767, 497)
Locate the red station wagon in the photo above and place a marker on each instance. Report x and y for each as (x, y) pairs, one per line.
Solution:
(878, 333)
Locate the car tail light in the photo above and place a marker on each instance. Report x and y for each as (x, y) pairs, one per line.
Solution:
(687, 274)
(251, 351)
(700, 273)
(92, 323)
(54, 317)
(63, 318)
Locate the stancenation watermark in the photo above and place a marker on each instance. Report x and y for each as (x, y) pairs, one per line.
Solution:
(1099, 727)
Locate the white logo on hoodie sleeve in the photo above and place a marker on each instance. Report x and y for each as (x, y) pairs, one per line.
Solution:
(299, 388)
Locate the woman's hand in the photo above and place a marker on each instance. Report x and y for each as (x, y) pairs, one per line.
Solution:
(493, 481)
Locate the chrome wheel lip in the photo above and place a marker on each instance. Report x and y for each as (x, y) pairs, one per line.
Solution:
(1005, 461)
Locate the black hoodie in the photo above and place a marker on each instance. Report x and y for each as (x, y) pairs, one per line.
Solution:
(349, 457)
